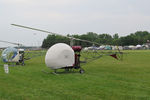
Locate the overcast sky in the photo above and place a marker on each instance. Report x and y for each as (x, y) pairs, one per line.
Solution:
(71, 17)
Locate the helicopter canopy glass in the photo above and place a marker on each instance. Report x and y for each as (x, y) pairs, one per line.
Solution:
(8, 54)
(59, 55)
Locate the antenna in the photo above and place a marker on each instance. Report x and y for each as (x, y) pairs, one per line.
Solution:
(71, 42)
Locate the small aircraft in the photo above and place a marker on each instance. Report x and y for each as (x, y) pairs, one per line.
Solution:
(18, 54)
(63, 56)
(13, 55)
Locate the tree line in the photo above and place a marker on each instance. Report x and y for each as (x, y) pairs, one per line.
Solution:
(139, 37)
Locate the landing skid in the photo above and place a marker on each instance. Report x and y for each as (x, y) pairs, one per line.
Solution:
(55, 73)
(70, 70)
(66, 71)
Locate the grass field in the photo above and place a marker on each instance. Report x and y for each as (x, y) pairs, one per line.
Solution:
(104, 79)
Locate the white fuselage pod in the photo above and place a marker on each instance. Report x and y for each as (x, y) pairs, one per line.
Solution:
(59, 55)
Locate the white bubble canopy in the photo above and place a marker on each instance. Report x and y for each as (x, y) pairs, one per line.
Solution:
(59, 55)
(8, 54)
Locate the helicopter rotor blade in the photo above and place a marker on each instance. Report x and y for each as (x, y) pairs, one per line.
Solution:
(11, 43)
(55, 34)
(36, 29)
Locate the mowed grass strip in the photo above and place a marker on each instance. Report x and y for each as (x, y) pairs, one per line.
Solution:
(104, 79)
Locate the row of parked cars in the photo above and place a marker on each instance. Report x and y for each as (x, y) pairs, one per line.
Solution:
(109, 47)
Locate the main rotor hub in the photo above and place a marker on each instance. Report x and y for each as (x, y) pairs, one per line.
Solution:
(77, 48)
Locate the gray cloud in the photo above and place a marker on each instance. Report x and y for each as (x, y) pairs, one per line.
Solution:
(71, 16)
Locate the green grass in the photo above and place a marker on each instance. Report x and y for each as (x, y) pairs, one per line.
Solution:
(104, 79)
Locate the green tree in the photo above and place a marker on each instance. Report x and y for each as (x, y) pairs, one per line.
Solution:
(138, 37)
(105, 39)
(53, 39)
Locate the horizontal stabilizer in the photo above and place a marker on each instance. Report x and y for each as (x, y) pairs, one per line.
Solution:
(114, 56)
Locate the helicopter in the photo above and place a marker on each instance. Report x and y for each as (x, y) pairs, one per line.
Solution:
(13, 55)
(64, 56)
(19, 54)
